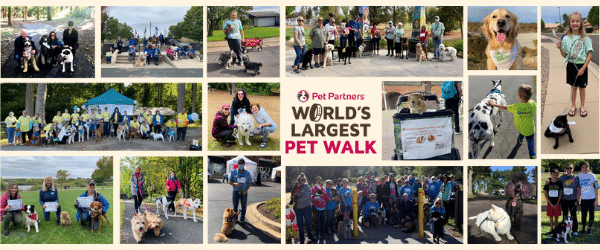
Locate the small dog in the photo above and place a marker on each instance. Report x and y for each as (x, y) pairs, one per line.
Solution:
(245, 126)
(361, 49)
(559, 126)
(409, 227)
(344, 227)
(66, 56)
(307, 61)
(154, 222)
(564, 229)
(495, 222)
(226, 59)
(347, 53)
(227, 30)
(420, 53)
(31, 218)
(139, 226)
(482, 119)
(96, 212)
(438, 226)
(446, 52)
(65, 220)
(28, 56)
(229, 222)
(157, 136)
(71, 133)
(381, 215)
(113, 59)
(163, 202)
(253, 67)
(81, 133)
(188, 204)
(328, 61)
(141, 61)
(135, 132)
(417, 104)
(18, 136)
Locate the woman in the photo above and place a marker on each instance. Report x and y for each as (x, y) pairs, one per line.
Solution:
(299, 44)
(82, 212)
(7, 216)
(389, 37)
(240, 104)
(182, 123)
(424, 40)
(303, 209)
(376, 34)
(332, 33)
(221, 130)
(116, 119)
(158, 120)
(235, 35)
(49, 193)
(138, 193)
(266, 125)
(446, 190)
(589, 196)
(379, 192)
(344, 31)
(144, 130)
(172, 184)
(11, 125)
(56, 47)
(370, 211)
(170, 53)
(437, 207)
(71, 38)
(398, 37)
(319, 198)
(360, 186)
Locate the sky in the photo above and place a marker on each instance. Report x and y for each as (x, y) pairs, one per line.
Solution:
(265, 8)
(30, 167)
(502, 168)
(550, 14)
(138, 17)
(526, 14)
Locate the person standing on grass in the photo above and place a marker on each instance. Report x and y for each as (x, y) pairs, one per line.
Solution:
(571, 193)
(553, 193)
(49, 193)
(589, 196)
(299, 44)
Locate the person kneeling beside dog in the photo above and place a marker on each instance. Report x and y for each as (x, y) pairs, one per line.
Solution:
(221, 130)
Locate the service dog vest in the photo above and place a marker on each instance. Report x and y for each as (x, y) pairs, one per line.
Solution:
(504, 59)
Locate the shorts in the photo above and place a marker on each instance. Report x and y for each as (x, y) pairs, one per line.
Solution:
(346, 209)
(582, 80)
(553, 212)
(317, 51)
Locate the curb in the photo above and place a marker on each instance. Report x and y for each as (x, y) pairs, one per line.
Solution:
(263, 223)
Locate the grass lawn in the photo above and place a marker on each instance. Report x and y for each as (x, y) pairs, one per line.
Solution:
(52, 234)
(257, 32)
(581, 238)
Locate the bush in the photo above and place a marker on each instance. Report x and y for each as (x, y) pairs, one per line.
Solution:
(246, 22)
(560, 29)
(287, 37)
(273, 206)
(81, 13)
(589, 30)
(247, 27)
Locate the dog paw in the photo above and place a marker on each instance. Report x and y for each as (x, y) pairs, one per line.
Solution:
(555, 146)
(570, 140)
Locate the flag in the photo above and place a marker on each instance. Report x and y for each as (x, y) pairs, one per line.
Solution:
(156, 33)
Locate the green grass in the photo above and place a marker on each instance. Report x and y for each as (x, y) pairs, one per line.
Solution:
(581, 238)
(273, 206)
(272, 144)
(52, 234)
(257, 32)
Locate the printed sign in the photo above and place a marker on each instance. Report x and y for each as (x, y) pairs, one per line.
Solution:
(426, 138)
(50, 207)
(15, 204)
(85, 201)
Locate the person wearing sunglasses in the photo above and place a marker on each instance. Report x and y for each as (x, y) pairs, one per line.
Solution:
(303, 209)
(437, 207)
(71, 38)
(370, 211)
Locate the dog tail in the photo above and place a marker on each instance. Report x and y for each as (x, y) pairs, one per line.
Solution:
(219, 237)
(472, 217)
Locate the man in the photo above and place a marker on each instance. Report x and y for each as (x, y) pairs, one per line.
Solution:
(19, 47)
(328, 20)
(131, 42)
(437, 29)
(23, 122)
(406, 210)
(241, 181)
(161, 38)
(131, 53)
(37, 121)
(119, 43)
(318, 34)
(106, 124)
(181, 122)
(357, 27)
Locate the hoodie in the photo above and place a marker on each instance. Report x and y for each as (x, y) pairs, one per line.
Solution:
(220, 124)
(262, 117)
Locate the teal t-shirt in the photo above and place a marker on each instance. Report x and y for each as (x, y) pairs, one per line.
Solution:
(438, 29)
(398, 33)
(236, 27)
(524, 114)
(576, 48)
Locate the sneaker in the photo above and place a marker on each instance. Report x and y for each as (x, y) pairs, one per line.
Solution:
(575, 233)
(263, 144)
(317, 65)
(589, 231)
(296, 71)
(457, 132)
(532, 157)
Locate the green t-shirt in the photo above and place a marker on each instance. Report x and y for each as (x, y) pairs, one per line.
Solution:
(570, 44)
(318, 36)
(524, 116)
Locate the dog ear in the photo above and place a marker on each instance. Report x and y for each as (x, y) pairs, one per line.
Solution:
(515, 32)
(485, 27)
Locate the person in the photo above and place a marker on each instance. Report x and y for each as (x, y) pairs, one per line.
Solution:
(86, 117)
(344, 31)
(158, 121)
(319, 198)
(329, 19)
(266, 125)
(119, 44)
(303, 209)
(452, 95)
(589, 196)
(398, 34)
(97, 120)
(131, 53)
(173, 186)
(338, 184)
(56, 47)
(346, 199)
(576, 47)
(389, 31)
(161, 38)
(221, 130)
(379, 192)
(360, 187)
(170, 52)
(11, 126)
(71, 37)
(524, 116)
(57, 118)
(135, 125)
(370, 210)
(76, 124)
(49, 193)
(6, 214)
(570, 195)
(145, 41)
(437, 207)
(437, 28)
(23, 123)
(138, 193)
(235, 35)
(131, 42)
(406, 210)
(66, 117)
(74, 117)
(241, 180)
(154, 54)
(191, 53)
(332, 33)
(407, 189)
(417, 185)
(182, 123)
(149, 119)
(356, 26)
(106, 117)
(424, 40)
(553, 194)
(240, 104)
(82, 213)
(446, 190)
(116, 118)
(376, 35)
(390, 189)
(299, 44)
(36, 121)
(19, 47)
(317, 35)
(330, 208)
(109, 54)
(144, 130)
(433, 189)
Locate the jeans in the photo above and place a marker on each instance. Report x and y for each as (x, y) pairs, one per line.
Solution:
(115, 127)
(181, 133)
(137, 201)
(304, 217)
(87, 217)
(390, 46)
(398, 47)
(11, 134)
(108, 59)
(265, 131)
(47, 214)
(236, 46)
(436, 44)
(237, 198)
(15, 216)
(329, 224)
(530, 143)
(343, 41)
(93, 129)
(587, 207)
(376, 43)
(569, 207)
(106, 129)
(300, 52)
(321, 218)
(453, 104)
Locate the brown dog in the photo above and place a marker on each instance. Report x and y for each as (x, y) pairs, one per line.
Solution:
(65, 220)
(229, 221)
(420, 53)
(135, 132)
(501, 28)
(96, 212)
(99, 132)
(154, 222)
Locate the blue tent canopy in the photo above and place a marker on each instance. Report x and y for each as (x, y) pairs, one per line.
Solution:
(110, 97)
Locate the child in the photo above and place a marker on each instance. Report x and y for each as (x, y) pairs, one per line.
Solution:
(109, 55)
(346, 204)
(524, 114)
(576, 48)
(553, 194)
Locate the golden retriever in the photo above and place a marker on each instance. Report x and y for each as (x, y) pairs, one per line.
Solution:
(229, 221)
(501, 28)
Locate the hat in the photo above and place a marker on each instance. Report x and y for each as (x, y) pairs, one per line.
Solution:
(225, 106)
(391, 22)
(91, 182)
(320, 19)
(406, 181)
(400, 23)
(300, 18)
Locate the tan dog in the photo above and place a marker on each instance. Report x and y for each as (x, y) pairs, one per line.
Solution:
(139, 226)
(188, 204)
(229, 221)
(114, 55)
(18, 140)
(420, 53)
(154, 222)
(501, 28)
(135, 132)
(141, 61)
(65, 220)
(416, 104)
(99, 132)
(96, 212)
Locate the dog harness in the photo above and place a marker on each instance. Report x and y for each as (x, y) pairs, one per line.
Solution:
(33, 216)
(504, 59)
(495, 222)
(554, 129)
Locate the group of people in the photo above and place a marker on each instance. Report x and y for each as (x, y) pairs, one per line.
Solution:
(48, 193)
(138, 192)
(223, 131)
(567, 193)
(55, 46)
(397, 197)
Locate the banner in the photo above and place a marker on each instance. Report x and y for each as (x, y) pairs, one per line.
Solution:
(426, 138)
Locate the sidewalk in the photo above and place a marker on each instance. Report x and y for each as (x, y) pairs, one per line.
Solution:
(585, 131)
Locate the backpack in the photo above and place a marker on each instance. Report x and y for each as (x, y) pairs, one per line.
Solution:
(448, 90)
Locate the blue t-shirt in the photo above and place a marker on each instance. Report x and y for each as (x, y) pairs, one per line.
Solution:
(406, 190)
(435, 209)
(236, 27)
(331, 205)
(368, 206)
(346, 193)
(243, 178)
(433, 190)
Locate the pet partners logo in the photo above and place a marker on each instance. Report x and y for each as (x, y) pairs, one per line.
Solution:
(303, 96)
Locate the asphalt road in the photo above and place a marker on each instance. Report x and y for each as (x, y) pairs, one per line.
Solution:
(175, 230)
(269, 57)
(529, 223)
(82, 67)
(594, 38)
(219, 196)
(506, 146)
(150, 72)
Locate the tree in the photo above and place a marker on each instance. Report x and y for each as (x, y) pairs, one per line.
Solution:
(192, 23)
(289, 10)
(543, 25)
(217, 14)
(29, 99)
(477, 175)
(565, 20)
(592, 17)
(103, 172)
(194, 90)
(40, 101)
(62, 175)
(9, 16)
(180, 96)
(49, 13)
(452, 17)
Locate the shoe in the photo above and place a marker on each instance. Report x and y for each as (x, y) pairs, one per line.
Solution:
(242, 63)
(296, 71)
(589, 231)
(457, 132)
(575, 233)
(317, 65)
(532, 157)
(263, 144)
(242, 221)
(313, 239)
(58, 222)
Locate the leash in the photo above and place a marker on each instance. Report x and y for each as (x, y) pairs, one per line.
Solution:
(574, 82)
(142, 197)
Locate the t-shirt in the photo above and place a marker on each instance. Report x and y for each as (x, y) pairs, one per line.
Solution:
(243, 178)
(578, 46)
(236, 27)
(393, 190)
(346, 193)
(300, 31)
(438, 29)
(389, 32)
(406, 190)
(554, 189)
(524, 116)
(318, 36)
(330, 31)
(423, 36)
(398, 33)
(588, 183)
(570, 185)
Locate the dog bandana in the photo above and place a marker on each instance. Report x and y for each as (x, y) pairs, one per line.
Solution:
(554, 129)
(504, 59)
(33, 216)
(187, 203)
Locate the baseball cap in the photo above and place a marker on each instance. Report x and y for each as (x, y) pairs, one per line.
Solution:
(91, 182)
(225, 106)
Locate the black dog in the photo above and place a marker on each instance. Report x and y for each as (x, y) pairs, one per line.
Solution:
(558, 127)
(347, 53)
(438, 226)
(308, 56)
(404, 47)
(252, 66)
(517, 188)
(44, 51)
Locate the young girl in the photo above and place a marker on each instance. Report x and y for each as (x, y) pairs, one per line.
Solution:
(576, 48)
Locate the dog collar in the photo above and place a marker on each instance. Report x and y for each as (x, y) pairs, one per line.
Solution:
(504, 59)
(554, 129)
(228, 219)
(495, 91)
(33, 216)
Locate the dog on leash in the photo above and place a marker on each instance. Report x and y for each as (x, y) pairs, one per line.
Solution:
(188, 204)
(344, 228)
(163, 202)
(66, 56)
(229, 222)
(307, 61)
(564, 229)
(558, 127)
(328, 61)
(65, 220)
(381, 215)
(517, 189)
(31, 218)
(154, 222)
(245, 126)
(495, 222)
(361, 49)
(139, 226)
(120, 132)
(445, 52)
(226, 59)
(251, 67)
(96, 212)
(171, 135)
(438, 226)
(44, 50)
(141, 61)
(99, 132)
(347, 53)
(481, 119)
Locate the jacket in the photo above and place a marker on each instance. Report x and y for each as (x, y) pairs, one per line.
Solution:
(119, 118)
(4, 202)
(172, 185)
(220, 125)
(11, 122)
(406, 208)
(49, 196)
(134, 184)
(56, 42)
(98, 197)
(158, 119)
(19, 46)
(131, 42)
(24, 123)
(182, 120)
(72, 39)
(263, 117)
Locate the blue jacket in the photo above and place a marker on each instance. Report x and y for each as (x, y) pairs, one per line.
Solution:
(191, 50)
(161, 37)
(99, 197)
(153, 51)
(406, 208)
(235, 174)
(48, 196)
(56, 42)
(433, 190)
(131, 50)
(145, 42)
(331, 205)
(131, 42)
(368, 206)
(158, 121)
(148, 51)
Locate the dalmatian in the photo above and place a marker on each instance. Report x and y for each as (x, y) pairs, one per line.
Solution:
(482, 124)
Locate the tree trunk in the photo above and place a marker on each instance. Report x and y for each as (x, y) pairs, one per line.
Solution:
(194, 90)
(29, 98)
(233, 88)
(40, 101)
(25, 13)
(48, 13)
(180, 96)
(470, 181)
(9, 15)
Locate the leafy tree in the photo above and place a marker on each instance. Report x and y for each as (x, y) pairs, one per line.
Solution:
(543, 25)
(289, 10)
(110, 28)
(104, 170)
(478, 176)
(216, 15)
(190, 27)
(62, 175)
(592, 17)
(452, 17)
(565, 20)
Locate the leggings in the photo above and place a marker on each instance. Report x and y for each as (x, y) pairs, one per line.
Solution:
(376, 43)
(137, 201)
(390, 46)
(321, 218)
(115, 127)
(24, 134)
(587, 207)
(569, 207)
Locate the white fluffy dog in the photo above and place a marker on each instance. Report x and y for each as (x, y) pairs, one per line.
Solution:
(361, 49)
(245, 126)
(328, 61)
(66, 56)
(157, 136)
(446, 52)
(495, 222)
(188, 204)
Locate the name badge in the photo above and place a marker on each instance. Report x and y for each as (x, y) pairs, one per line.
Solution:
(241, 179)
(553, 193)
(179, 120)
(568, 191)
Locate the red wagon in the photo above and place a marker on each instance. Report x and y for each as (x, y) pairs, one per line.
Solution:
(253, 43)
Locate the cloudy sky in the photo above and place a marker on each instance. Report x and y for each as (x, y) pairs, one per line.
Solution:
(550, 14)
(138, 17)
(526, 14)
(42, 166)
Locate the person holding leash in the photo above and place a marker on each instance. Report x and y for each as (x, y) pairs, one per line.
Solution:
(11, 125)
(138, 193)
(241, 180)
(71, 38)
(82, 213)
(437, 29)
(235, 35)
(172, 184)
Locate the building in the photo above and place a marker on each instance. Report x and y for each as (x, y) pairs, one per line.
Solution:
(264, 18)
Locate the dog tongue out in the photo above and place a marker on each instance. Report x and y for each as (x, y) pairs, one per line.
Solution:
(501, 37)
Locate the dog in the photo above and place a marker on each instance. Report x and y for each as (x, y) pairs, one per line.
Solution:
(516, 189)
(227, 30)
(141, 61)
(328, 61)
(361, 49)
(66, 56)
(346, 53)
(564, 229)
(28, 55)
(71, 133)
(409, 227)
(229, 222)
(99, 132)
(438, 226)
(163, 202)
(135, 132)
(254, 67)
(65, 220)
(381, 215)
(501, 28)
(481, 119)
(120, 132)
(446, 52)
(31, 218)
(139, 226)
(114, 57)
(157, 136)
(44, 51)
(188, 204)
(416, 104)
(344, 227)
(226, 59)
(420, 53)
(245, 126)
(154, 222)
(307, 61)
(81, 133)
(559, 126)
(495, 222)
(96, 212)
(18, 140)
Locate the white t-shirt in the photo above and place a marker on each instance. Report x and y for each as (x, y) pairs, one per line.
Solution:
(330, 31)
(588, 183)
